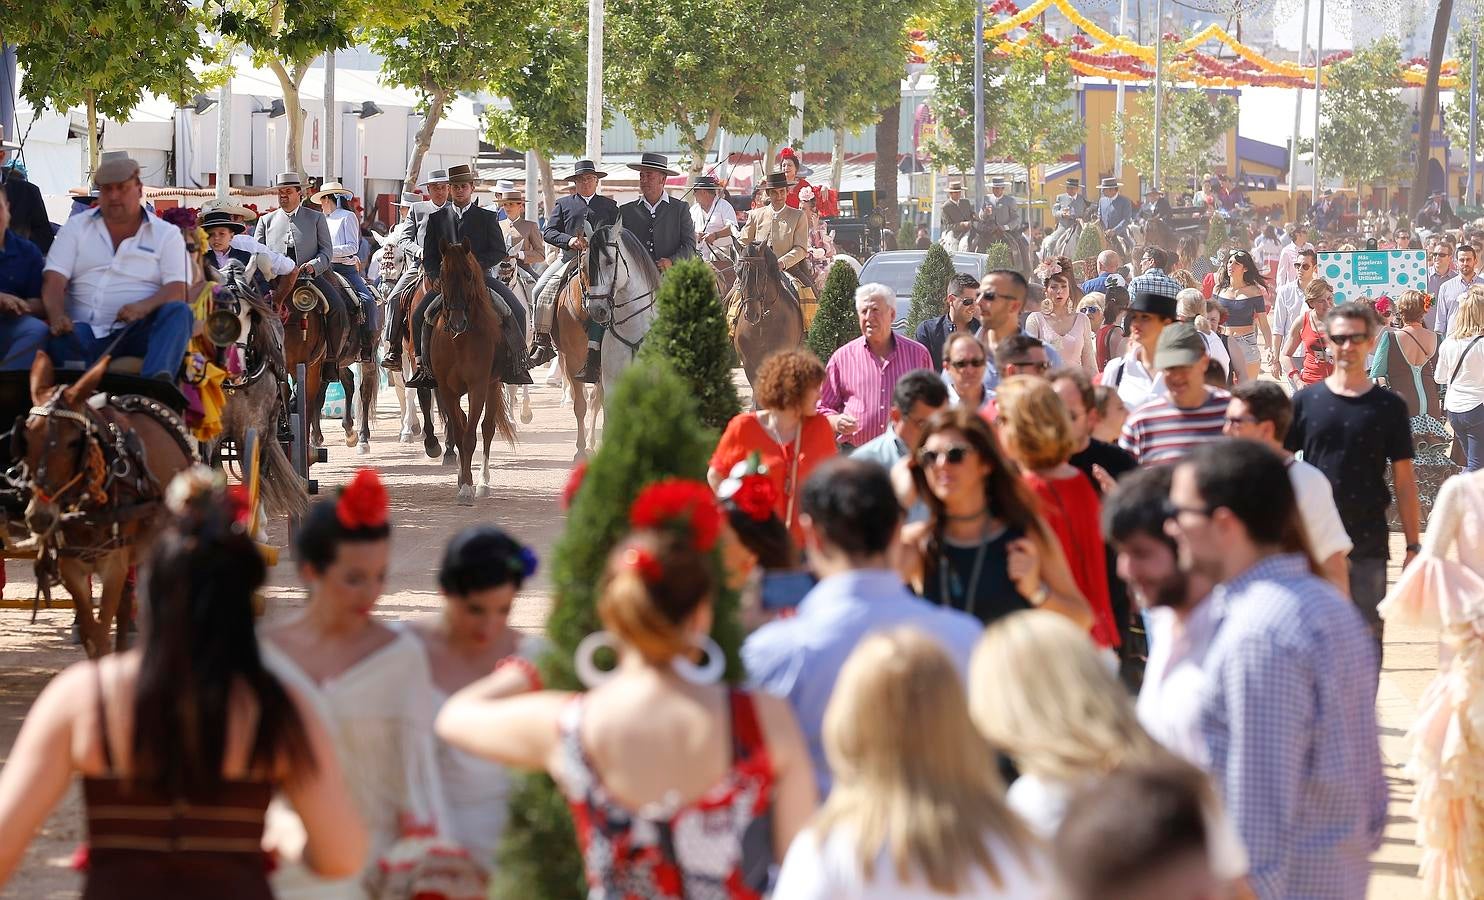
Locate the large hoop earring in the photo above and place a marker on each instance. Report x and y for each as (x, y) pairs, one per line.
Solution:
(711, 672)
(582, 660)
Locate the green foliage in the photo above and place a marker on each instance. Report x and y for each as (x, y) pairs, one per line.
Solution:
(1090, 241)
(659, 436)
(1035, 112)
(930, 287)
(547, 86)
(1216, 235)
(997, 257)
(907, 235)
(950, 25)
(856, 68)
(1365, 127)
(1456, 114)
(433, 55)
(1194, 121)
(835, 323)
(691, 333)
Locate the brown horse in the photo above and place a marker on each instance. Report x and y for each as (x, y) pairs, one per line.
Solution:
(766, 315)
(466, 335)
(97, 479)
(303, 310)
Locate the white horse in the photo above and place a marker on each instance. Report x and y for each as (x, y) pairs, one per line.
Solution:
(622, 283)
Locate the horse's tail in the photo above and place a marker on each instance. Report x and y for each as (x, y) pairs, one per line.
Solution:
(283, 491)
(495, 410)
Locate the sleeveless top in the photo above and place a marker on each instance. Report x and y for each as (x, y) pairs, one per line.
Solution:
(991, 595)
(1316, 363)
(1068, 345)
(143, 844)
(717, 846)
(1241, 311)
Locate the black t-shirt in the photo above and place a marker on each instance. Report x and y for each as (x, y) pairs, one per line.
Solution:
(1350, 440)
(1115, 460)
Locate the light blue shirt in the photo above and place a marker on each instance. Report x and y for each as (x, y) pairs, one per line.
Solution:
(886, 450)
(799, 658)
(1450, 293)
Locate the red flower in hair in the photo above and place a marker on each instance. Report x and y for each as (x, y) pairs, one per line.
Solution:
(363, 502)
(574, 484)
(756, 496)
(643, 562)
(690, 502)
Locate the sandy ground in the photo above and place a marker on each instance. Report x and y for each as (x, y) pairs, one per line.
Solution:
(526, 483)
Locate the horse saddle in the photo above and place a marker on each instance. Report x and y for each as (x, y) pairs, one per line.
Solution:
(351, 297)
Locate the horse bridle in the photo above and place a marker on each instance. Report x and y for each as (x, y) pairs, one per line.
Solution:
(613, 320)
(92, 442)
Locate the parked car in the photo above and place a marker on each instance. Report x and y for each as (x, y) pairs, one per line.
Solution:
(897, 269)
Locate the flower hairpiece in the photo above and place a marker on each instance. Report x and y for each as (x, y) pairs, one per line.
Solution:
(807, 194)
(183, 217)
(1048, 268)
(639, 560)
(1116, 280)
(363, 502)
(524, 563)
(681, 501)
(788, 153)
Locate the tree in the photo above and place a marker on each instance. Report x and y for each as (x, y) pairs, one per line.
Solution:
(907, 234)
(1036, 120)
(1090, 241)
(1456, 114)
(930, 287)
(835, 322)
(691, 333)
(439, 58)
(1194, 120)
(1440, 22)
(1216, 235)
(1364, 124)
(658, 436)
(951, 65)
(997, 257)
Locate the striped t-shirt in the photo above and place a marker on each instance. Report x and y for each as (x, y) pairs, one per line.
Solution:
(1161, 432)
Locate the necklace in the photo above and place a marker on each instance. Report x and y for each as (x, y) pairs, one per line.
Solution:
(969, 595)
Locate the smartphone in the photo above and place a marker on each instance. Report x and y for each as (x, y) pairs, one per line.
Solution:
(784, 589)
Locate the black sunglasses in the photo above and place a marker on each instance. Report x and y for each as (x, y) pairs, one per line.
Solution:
(968, 363)
(953, 456)
(987, 296)
(1038, 366)
(1340, 340)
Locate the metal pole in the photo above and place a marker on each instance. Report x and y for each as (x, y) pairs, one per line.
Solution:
(978, 105)
(1473, 113)
(1159, 87)
(531, 188)
(224, 134)
(1318, 74)
(1298, 115)
(595, 81)
(1118, 146)
(796, 122)
(330, 116)
(7, 92)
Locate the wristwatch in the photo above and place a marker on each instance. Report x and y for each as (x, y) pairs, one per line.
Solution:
(1414, 548)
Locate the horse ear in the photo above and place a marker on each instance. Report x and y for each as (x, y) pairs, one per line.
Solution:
(43, 378)
(83, 388)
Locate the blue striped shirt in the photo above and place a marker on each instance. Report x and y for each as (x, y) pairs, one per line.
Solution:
(1289, 718)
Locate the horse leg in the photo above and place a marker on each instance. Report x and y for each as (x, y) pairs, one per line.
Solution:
(480, 393)
(579, 410)
(430, 436)
(117, 606)
(348, 418)
(487, 432)
(314, 390)
(77, 578)
(458, 429)
(370, 387)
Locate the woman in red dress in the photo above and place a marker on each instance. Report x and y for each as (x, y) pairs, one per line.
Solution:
(788, 163)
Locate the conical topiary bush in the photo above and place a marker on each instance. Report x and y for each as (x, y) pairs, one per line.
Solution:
(997, 257)
(1090, 241)
(930, 287)
(691, 332)
(658, 436)
(1216, 236)
(907, 236)
(835, 323)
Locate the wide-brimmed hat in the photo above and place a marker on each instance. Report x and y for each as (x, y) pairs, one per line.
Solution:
(217, 218)
(998, 181)
(1107, 183)
(1074, 182)
(331, 189)
(1150, 302)
(462, 174)
(116, 170)
(705, 183)
(955, 185)
(1154, 190)
(512, 193)
(1179, 344)
(585, 167)
(289, 179)
(437, 176)
(775, 180)
(5, 144)
(653, 162)
(227, 205)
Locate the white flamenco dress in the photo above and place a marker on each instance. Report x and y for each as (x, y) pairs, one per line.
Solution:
(1444, 588)
(379, 713)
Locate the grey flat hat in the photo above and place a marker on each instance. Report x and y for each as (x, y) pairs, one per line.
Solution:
(115, 171)
(437, 176)
(289, 179)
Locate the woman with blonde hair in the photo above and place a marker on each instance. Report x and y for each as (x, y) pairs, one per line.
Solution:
(1463, 363)
(1191, 306)
(1058, 323)
(1307, 332)
(916, 811)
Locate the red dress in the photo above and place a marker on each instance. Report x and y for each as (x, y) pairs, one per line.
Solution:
(745, 436)
(706, 848)
(1317, 366)
(1070, 507)
(793, 192)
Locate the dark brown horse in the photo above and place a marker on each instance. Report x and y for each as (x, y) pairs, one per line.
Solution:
(766, 313)
(466, 336)
(97, 479)
(303, 310)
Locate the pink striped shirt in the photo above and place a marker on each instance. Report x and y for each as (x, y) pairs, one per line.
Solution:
(1161, 432)
(859, 383)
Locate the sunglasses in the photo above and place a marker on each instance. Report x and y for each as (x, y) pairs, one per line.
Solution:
(1038, 366)
(1089, 310)
(968, 363)
(986, 296)
(1441, 255)
(1306, 267)
(970, 301)
(952, 456)
(1340, 340)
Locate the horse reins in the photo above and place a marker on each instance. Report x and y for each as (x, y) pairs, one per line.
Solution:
(615, 307)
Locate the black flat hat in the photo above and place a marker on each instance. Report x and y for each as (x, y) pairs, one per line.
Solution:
(1158, 304)
(585, 167)
(654, 162)
(220, 219)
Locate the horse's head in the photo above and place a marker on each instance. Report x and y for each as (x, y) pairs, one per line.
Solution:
(607, 274)
(59, 444)
(463, 280)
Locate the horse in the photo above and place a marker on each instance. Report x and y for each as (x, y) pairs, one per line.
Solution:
(522, 284)
(303, 310)
(615, 286)
(1064, 244)
(466, 337)
(768, 316)
(97, 475)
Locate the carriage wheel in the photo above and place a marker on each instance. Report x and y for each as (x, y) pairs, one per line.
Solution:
(252, 477)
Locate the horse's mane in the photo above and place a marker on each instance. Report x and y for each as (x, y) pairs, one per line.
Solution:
(460, 262)
(631, 247)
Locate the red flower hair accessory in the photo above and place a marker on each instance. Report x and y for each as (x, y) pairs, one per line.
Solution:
(239, 505)
(363, 502)
(679, 501)
(756, 496)
(574, 484)
(642, 561)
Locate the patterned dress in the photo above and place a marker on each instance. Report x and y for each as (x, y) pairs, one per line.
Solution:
(1417, 386)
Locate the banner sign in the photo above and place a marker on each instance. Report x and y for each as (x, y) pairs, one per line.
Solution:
(1373, 273)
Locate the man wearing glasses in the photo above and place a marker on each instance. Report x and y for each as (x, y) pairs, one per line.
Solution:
(961, 308)
(1288, 259)
(1288, 304)
(1452, 290)
(1439, 270)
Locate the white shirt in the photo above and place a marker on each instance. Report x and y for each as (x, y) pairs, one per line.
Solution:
(345, 236)
(1450, 293)
(1288, 306)
(1217, 350)
(1316, 503)
(831, 870)
(1288, 262)
(101, 280)
(1466, 391)
(1169, 703)
(280, 264)
(706, 221)
(1137, 383)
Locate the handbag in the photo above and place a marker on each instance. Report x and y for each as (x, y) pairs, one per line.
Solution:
(423, 866)
(1459, 457)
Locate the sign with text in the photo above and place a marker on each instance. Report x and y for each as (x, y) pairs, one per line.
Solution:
(1373, 273)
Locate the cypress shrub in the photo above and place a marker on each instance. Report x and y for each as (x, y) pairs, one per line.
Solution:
(835, 322)
(930, 287)
(1090, 241)
(998, 257)
(691, 333)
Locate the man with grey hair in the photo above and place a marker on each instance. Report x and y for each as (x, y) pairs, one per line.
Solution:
(1109, 262)
(860, 376)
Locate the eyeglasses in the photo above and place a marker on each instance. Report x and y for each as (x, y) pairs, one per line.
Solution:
(1441, 255)
(1305, 267)
(1038, 366)
(1172, 511)
(1089, 310)
(952, 456)
(968, 363)
(1340, 340)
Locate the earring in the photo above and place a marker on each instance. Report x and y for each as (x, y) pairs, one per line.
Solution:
(711, 672)
(582, 660)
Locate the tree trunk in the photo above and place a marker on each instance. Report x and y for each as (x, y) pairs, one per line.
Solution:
(288, 83)
(837, 160)
(424, 137)
(887, 149)
(1430, 102)
(769, 155)
(90, 98)
(701, 148)
(548, 187)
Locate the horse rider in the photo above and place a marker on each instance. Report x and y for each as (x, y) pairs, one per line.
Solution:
(1437, 215)
(1156, 206)
(115, 266)
(531, 254)
(958, 213)
(712, 217)
(1115, 211)
(1070, 209)
(462, 219)
(334, 200)
(301, 233)
(564, 229)
(786, 231)
(662, 225)
(1002, 213)
(241, 246)
(408, 236)
(1327, 211)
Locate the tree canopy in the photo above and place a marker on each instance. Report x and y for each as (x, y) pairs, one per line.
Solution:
(1365, 127)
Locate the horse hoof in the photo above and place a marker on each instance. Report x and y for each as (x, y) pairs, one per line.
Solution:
(526, 416)
(350, 439)
(450, 458)
(580, 456)
(484, 492)
(466, 495)
(432, 448)
(363, 449)
(405, 437)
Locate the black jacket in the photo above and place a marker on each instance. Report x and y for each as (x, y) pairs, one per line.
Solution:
(668, 234)
(27, 211)
(565, 221)
(933, 334)
(479, 225)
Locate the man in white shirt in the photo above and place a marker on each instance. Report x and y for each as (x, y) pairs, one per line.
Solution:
(1261, 411)
(118, 267)
(1288, 259)
(712, 216)
(1133, 374)
(1452, 290)
(1288, 303)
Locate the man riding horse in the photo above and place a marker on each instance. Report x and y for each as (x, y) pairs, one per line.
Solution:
(408, 236)
(1070, 209)
(1002, 216)
(661, 223)
(785, 230)
(1115, 212)
(461, 219)
(303, 234)
(1156, 206)
(565, 229)
(958, 215)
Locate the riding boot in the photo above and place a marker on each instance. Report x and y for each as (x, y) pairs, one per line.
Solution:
(592, 370)
(516, 368)
(542, 350)
(423, 377)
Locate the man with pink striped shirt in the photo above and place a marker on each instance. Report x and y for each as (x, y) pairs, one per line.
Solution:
(860, 376)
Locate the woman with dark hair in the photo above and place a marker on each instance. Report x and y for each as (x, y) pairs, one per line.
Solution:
(1112, 337)
(679, 784)
(1406, 362)
(371, 683)
(182, 742)
(984, 548)
(1242, 292)
(758, 555)
(1058, 323)
(482, 569)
